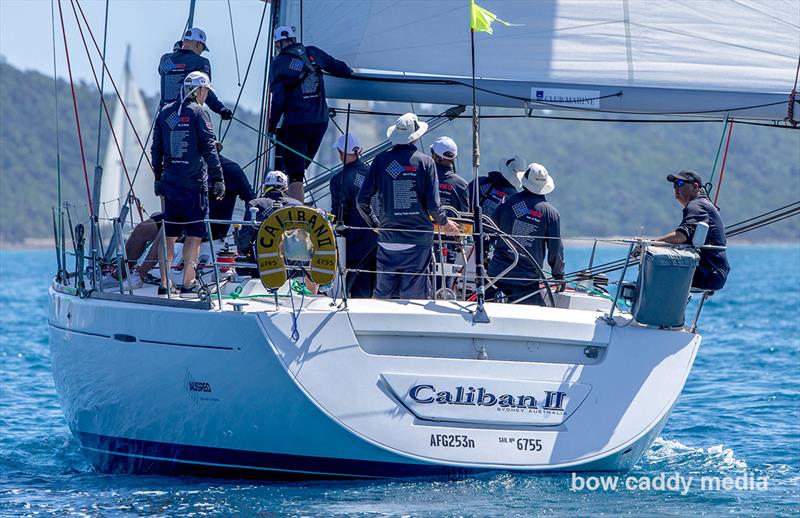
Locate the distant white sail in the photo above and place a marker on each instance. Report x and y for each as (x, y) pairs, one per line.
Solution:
(719, 47)
(115, 185)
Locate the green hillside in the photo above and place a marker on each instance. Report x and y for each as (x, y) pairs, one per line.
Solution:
(609, 176)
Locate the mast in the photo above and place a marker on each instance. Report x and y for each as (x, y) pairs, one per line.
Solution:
(480, 316)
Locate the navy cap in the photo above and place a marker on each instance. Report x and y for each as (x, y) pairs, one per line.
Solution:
(687, 175)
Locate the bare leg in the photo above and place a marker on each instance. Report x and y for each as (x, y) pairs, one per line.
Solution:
(191, 251)
(151, 259)
(165, 267)
(296, 191)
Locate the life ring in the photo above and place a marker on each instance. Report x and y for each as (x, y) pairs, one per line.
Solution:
(269, 249)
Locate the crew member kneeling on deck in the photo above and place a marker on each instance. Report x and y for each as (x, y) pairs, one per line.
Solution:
(524, 214)
(407, 185)
(273, 197)
(184, 160)
(712, 272)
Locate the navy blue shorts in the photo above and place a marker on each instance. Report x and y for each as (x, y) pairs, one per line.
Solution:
(184, 210)
(301, 138)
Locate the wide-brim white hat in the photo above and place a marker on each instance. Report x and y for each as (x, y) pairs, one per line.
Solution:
(406, 129)
(512, 169)
(537, 180)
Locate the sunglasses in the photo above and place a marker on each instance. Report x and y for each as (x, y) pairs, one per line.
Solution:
(679, 183)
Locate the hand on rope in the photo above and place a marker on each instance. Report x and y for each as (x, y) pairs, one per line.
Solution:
(226, 114)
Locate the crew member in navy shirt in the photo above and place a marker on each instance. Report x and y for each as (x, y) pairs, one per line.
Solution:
(712, 272)
(185, 59)
(298, 95)
(406, 183)
(185, 161)
(535, 225)
(497, 185)
(236, 186)
(361, 242)
(452, 188)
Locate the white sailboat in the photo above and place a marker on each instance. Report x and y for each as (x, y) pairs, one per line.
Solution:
(118, 176)
(286, 386)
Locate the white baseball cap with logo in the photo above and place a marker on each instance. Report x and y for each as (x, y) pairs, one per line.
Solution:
(276, 180)
(283, 32)
(537, 180)
(196, 34)
(406, 129)
(353, 145)
(445, 147)
(197, 79)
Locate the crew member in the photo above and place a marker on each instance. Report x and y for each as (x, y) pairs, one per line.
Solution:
(362, 243)
(452, 188)
(236, 185)
(712, 272)
(273, 197)
(406, 184)
(298, 95)
(183, 60)
(535, 225)
(494, 188)
(185, 160)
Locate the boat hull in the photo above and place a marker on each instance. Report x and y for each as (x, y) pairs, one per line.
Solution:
(175, 390)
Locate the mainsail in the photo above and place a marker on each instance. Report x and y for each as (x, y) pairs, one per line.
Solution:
(649, 56)
(115, 184)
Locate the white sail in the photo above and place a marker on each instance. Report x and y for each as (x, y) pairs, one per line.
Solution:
(115, 183)
(663, 55)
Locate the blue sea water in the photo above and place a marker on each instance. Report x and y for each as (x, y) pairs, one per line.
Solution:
(738, 417)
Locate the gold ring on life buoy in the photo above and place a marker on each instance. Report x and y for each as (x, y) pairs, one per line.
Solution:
(269, 249)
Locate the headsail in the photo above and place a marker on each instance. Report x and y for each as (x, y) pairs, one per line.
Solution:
(663, 56)
(115, 186)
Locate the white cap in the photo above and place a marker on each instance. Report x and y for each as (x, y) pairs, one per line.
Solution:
(283, 32)
(353, 144)
(195, 34)
(197, 79)
(445, 147)
(537, 180)
(512, 169)
(276, 180)
(406, 129)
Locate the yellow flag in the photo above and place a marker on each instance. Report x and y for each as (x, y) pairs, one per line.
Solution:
(481, 19)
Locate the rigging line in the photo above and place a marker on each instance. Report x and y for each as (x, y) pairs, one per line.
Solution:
(748, 220)
(233, 37)
(710, 183)
(583, 119)
(724, 160)
(102, 85)
(269, 137)
(75, 107)
(55, 97)
(113, 83)
(776, 219)
(103, 105)
(246, 72)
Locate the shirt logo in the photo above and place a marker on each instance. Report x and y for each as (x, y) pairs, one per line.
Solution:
(499, 194)
(358, 180)
(485, 188)
(184, 119)
(446, 187)
(520, 209)
(394, 169)
(166, 65)
(172, 120)
(296, 65)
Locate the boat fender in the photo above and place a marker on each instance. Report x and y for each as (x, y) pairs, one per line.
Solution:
(270, 249)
